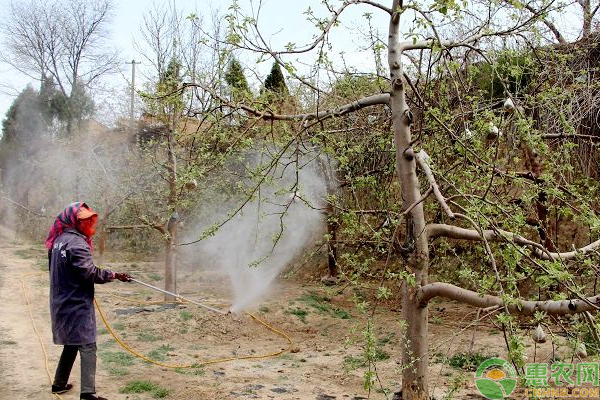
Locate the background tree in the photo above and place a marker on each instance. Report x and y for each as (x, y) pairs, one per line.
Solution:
(185, 133)
(24, 134)
(65, 41)
(275, 82)
(236, 80)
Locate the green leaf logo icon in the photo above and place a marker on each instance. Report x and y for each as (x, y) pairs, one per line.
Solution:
(496, 378)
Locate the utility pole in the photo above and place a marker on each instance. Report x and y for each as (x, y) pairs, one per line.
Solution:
(131, 106)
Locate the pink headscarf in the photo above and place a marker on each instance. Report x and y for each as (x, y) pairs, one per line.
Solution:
(67, 219)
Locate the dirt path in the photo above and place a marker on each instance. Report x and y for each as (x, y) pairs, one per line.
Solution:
(22, 361)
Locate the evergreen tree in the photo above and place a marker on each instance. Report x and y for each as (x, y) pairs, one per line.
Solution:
(275, 81)
(24, 134)
(234, 76)
(74, 108)
(24, 121)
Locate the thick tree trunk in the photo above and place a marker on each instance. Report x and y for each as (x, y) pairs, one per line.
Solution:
(587, 18)
(541, 204)
(414, 358)
(172, 224)
(332, 225)
(331, 249)
(171, 264)
(102, 242)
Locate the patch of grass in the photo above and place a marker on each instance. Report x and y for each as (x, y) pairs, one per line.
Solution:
(157, 391)
(42, 265)
(341, 314)
(155, 277)
(116, 370)
(185, 315)
(117, 362)
(118, 358)
(298, 312)
(322, 304)
(148, 337)
(263, 309)
(194, 371)
(119, 326)
(317, 302)
(160, 354)
(455, 384)
(385, 340)
(464, 361)
(28, 253)
(106, 345)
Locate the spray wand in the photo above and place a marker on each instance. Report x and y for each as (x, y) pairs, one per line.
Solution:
(181, 297)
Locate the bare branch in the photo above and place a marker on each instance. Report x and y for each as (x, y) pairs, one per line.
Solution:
(422, 158)
(378, 99)
(483, 33)
(539, 251)
(559, 37)
(22, 206)
(325, 30)
(522, 307)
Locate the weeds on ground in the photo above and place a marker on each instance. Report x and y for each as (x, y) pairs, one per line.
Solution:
(263, 309)
(195, 370)
(154, 277)
(157, 391)
(185, 315)
(298, 312)
(160, 354)
(116, 362)
(464, 361)
(117, 357)
(119, 326)
(321, 304)
(29, 253)
(455, 384)
(148, 337)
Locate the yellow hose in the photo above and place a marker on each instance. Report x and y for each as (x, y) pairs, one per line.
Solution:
(57, 396)
(208, 362)
(143, 357)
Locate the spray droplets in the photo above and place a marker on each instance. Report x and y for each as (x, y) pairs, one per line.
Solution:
(257, 243)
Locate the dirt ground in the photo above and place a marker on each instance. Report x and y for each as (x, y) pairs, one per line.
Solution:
(225, 356)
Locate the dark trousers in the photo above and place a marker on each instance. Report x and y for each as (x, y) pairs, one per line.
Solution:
(87, 353)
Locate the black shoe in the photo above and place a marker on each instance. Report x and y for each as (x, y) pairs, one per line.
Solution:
(91, 396)
(61, 389)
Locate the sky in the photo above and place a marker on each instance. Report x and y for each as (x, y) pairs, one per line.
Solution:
(281, 21)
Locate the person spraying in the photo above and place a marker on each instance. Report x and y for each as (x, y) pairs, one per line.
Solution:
(72, 278)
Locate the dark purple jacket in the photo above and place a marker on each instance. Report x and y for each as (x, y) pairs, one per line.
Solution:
(72, 278)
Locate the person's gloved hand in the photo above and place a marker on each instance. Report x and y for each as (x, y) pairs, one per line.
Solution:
(123, 276)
